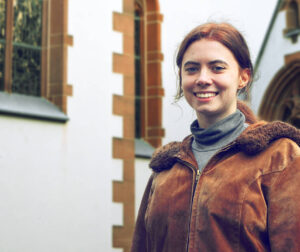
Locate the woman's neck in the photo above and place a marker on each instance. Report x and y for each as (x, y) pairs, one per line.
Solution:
(205, 121)
(220, 133)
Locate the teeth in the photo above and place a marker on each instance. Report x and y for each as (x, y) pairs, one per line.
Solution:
(205, 95)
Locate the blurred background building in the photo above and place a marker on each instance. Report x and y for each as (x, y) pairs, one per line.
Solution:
(275, 95)
(86, 96)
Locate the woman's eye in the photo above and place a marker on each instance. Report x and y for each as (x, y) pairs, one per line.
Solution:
(218, 68)
(191, 69)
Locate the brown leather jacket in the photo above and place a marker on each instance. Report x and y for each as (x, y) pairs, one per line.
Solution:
(246, 199)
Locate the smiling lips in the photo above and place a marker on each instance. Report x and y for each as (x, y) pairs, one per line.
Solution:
(206, 94)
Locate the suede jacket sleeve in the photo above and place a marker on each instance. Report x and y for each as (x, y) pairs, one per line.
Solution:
(139, 236)
(284, 209)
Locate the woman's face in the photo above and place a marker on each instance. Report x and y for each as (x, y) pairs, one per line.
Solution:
(210, 78)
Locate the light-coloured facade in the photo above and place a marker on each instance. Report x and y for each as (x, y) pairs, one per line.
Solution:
(276, 90)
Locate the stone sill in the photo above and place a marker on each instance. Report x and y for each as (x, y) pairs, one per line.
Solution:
(30, 107)
(143, 149)
(292, 33)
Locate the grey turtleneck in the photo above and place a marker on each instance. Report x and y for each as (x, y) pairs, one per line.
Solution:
(208, 141)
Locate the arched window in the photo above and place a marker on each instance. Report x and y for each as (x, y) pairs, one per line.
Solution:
(33, 49)
(148, 80)
(281, 100)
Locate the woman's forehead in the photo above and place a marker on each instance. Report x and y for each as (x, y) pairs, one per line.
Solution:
(207, 51)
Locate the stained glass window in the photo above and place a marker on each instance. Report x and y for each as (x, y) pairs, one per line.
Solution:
(26, 56)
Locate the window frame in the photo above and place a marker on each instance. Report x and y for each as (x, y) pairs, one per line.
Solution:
(53, 86)
(148, 86)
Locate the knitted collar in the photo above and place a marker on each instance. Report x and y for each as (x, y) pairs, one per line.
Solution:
(219, 134)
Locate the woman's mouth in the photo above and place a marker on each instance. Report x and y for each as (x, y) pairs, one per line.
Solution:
(206, 94)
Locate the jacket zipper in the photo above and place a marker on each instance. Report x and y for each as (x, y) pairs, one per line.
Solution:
(198, 174)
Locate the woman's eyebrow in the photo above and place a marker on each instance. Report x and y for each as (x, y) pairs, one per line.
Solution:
(218, 62)
(210, 63)
(191, 63)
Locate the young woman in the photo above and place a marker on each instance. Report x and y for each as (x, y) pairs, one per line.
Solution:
(234, 183)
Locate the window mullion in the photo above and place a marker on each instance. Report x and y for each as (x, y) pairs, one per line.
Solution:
(8, 46)
(45, 49)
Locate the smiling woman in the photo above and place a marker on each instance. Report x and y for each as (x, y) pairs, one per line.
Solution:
(210, 78)
(220, 189)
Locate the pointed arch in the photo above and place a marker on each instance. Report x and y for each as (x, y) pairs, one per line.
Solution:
(281, 100)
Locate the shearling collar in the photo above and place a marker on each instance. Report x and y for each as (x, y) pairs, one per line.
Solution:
(257, 137)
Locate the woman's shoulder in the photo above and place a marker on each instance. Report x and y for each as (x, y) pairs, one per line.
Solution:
(165, 156)
(260, 136)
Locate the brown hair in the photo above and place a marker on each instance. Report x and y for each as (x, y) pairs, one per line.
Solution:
(224, 33)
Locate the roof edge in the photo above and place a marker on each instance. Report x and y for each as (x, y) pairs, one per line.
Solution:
(267, 35)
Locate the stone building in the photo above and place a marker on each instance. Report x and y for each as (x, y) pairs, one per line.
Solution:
(86, 92)
(275, 95)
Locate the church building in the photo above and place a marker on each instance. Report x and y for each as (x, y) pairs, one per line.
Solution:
(87, 94)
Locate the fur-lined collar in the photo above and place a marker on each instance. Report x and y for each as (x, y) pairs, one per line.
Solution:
(257, 137)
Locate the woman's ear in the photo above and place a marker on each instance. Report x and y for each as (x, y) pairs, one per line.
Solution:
(244, 78)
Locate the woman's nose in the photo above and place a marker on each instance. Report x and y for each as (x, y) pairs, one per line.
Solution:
(203, 78)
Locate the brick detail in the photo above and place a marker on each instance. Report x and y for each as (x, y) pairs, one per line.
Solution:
(69, 90)
(123, 64)
(155, 92)
(70, 40)
(123, 148)
(155, 132)
(289, 58)
(123, 23)
(128, 86)
(128, 127)
(128, 6)
(54, 83)
(152, 5)
(155, 56)
(123, 105)
(128, 43)
(154, 17)
(124, 193)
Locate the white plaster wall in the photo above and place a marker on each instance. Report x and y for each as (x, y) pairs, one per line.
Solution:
(250, 17)
(56, 179)
(272, 60)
